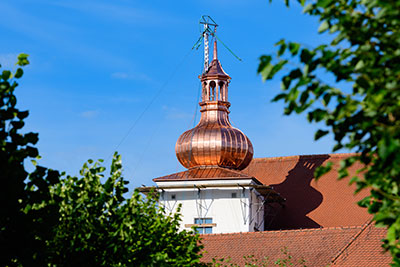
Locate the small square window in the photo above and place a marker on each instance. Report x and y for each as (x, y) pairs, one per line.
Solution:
(173, 196)
(234, 195)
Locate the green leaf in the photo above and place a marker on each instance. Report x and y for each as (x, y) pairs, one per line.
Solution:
(278, 67)
(19, 73)
(326, 99)
(287, 3)
(323, 169)
(294, 48)
(308, 8)
(280, 42)
(303, 98)
(265, 61)
(23, 59)
(286, 82)
(306, 56)
(6, 75)
(317, 115)
(323, 26)
(359, 65)
(320, 133)
(324, 3)
(282, 49)
(294, 74)
(266, 71)
(353, 180)
(279, 97)
(22, 114)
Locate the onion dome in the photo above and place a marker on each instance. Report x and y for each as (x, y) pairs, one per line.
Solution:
(214, 142)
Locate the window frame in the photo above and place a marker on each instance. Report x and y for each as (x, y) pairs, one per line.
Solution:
(202, 225)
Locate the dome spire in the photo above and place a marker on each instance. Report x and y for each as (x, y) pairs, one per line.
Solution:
(214, 142)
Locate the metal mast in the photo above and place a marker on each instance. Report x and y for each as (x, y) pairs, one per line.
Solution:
(210, 27)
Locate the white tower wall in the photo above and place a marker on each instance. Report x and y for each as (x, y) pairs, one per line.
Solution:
(237, 208)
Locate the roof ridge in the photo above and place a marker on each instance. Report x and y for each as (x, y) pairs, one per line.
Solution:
(354, 238)
(310, 156)
(290, 230)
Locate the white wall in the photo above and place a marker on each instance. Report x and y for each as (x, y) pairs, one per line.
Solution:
(256, 212)
(229, 214)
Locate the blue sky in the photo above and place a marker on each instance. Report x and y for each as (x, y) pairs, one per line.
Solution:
(96, 65)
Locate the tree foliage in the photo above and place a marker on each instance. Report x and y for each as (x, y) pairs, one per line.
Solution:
(364, 53)
(99, 227)
(52, 219)
(24, 224)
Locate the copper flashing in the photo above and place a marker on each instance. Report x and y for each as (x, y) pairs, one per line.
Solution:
(205, 173)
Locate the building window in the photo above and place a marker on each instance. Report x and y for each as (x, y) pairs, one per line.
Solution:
(173, 196)
(203, 225)
(204, 230)
(234, 195)
(202, 220)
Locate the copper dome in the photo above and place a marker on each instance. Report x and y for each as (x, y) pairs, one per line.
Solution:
(214, 142)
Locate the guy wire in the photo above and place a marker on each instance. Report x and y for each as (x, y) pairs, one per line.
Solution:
(149, 104)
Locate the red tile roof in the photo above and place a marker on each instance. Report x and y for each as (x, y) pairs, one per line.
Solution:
(365, 250)
(345, 246)
(316, 246)
(309, 203)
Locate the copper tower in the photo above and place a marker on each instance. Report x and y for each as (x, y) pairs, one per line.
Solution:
(214, 142)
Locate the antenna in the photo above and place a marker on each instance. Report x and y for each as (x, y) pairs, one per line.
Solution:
(210, 27)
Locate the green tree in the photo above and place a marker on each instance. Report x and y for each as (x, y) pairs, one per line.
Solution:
(364, 53)
(99, 227)
(24, 225)
(52, 219)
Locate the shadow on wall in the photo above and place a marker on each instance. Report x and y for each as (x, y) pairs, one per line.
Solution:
(301, 197)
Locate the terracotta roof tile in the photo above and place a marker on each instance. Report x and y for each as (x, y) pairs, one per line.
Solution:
(339, 246)
(365, 250)
(316, 246)
(309, 203)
